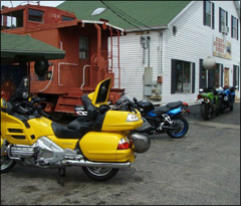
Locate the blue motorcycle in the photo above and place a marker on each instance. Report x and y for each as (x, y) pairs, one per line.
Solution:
(160, 119)
(227, 97)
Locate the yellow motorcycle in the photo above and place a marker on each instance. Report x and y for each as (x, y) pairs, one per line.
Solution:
(101, 143)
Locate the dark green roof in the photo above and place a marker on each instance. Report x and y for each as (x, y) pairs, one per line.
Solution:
(14, 45)
(136, 14)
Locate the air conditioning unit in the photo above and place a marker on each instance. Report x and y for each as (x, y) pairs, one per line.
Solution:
(225, 29)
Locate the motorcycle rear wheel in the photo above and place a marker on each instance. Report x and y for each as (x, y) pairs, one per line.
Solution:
(206, 111)
(100, 174)
(182, 128)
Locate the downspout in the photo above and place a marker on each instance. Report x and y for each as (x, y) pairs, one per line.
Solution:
(98, 42)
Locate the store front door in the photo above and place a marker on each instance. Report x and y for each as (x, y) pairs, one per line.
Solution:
(226, 76)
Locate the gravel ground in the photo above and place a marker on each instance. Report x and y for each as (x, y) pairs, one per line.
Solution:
(203, 168)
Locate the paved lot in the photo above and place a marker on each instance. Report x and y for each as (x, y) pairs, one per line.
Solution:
(202, 168)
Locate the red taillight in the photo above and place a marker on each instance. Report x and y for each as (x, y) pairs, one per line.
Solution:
(123, 144)
(185, 104)
(199, 96)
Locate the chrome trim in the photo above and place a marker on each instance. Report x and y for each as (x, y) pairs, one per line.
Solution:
(87, 163)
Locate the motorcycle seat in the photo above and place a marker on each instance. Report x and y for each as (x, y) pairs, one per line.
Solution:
(173, 105)
(161, 110)
(75, 129)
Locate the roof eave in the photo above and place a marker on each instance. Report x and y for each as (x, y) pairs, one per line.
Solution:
(181, 13)
(155, 28)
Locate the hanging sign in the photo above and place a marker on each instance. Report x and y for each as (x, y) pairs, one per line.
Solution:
(222, 48)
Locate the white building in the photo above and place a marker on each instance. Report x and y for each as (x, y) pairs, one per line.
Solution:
(172, 69)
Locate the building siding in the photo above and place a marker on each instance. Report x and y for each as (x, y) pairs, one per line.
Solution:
(192, 42)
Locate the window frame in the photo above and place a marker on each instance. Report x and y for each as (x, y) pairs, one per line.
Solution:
(234, 28)
(82, 49)
(191, 82)
(210, 13)
(223, 18)
(31, 20)
(67, 18)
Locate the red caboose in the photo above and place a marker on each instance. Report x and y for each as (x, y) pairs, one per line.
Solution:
(87, 59)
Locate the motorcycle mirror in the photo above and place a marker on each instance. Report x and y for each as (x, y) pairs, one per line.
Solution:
(25, 95)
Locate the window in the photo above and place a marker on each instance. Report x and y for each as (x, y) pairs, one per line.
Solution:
(12, 20)
(183, 77)
(223, 20)
(35, 15)
(67, 18)
(234, 27)
(208, 13)
(212, 78)
(83, 47)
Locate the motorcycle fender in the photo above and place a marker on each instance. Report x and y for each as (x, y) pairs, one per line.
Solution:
(102, 147)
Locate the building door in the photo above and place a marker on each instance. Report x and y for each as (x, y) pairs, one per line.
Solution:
(226, 76)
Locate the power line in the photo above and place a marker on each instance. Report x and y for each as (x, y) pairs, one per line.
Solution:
(130, 17)
(123, 15)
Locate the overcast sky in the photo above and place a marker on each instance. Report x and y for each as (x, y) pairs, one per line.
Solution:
(43, 3)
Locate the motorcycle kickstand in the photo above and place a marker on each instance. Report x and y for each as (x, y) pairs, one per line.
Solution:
(62, 171)
(61, 174)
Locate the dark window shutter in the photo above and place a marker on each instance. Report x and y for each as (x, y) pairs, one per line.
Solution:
(226, 18)
(234, 75)
(237, 29)
(173, 77)
(202, 82)
(221, 75)
(220, 19)
(238, 77)
(204, 12)
(231, 26)
(193, 77)
(213, 16)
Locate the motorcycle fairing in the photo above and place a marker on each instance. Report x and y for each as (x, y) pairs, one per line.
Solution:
(101, 94)
(175, 111)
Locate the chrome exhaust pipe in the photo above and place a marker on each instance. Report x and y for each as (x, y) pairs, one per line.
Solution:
(87, 163)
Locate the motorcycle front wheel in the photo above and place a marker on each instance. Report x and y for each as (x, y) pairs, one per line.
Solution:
(181, 127)
(5, 162)
(99, 173)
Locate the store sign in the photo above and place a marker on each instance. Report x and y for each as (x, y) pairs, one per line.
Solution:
(222, 48)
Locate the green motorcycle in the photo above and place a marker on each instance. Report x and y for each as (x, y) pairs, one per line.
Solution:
(210, 103)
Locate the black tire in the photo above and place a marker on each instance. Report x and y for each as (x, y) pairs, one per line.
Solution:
(179, 133)
(205, 111)
(231, 107)
(108, 174)
(6, 163)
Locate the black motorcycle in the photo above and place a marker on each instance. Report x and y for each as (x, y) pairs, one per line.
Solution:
(159, 119)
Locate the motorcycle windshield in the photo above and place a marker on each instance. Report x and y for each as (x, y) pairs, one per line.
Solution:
(101, 94)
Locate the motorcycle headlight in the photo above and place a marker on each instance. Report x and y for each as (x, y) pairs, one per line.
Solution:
(132, 118)
(25, 95)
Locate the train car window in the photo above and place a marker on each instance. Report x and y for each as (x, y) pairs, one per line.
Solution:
(35, 15)
(12, 20)
(83, 47)
(67, 18)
